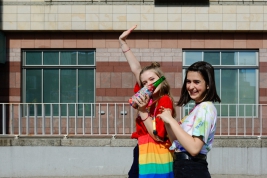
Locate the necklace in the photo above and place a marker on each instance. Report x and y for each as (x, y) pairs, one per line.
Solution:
(150, 103)
(153, 117)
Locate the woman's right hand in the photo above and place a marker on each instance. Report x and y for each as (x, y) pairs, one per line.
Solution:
(165, 115)
(125, 34)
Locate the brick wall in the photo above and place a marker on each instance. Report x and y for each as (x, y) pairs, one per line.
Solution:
(114, 80)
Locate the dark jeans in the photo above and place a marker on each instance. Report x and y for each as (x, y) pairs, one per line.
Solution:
(134, 171)
(190, 169)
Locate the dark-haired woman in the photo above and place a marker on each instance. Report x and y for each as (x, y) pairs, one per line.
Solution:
(193, 136)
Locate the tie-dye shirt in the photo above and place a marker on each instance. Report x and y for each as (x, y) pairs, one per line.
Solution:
(200, 122)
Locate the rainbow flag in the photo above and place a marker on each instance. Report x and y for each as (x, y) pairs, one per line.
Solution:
(155, 158)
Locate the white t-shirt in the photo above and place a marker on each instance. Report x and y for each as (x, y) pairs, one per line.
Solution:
(201, 121)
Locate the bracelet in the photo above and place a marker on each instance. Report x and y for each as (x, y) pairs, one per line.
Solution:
(145, 118)
(126, 50)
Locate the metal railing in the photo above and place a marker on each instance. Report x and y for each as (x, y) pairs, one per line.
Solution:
(114, 119)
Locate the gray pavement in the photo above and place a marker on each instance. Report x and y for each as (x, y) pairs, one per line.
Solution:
(125, 176)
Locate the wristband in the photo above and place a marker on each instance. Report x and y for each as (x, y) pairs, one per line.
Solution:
(126, 50)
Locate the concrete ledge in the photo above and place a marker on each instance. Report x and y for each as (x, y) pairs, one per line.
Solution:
(239, 142)
(125, 176)
(236, 142)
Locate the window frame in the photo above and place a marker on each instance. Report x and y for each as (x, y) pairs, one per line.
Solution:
(76, 67)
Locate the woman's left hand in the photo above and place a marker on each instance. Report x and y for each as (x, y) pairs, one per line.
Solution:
(125, 34)
(166, 114)
(142, 102)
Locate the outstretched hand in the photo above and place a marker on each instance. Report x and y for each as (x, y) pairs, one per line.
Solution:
(125, 34)
(165, 115)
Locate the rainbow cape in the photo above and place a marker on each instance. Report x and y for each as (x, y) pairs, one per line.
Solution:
(155, 158)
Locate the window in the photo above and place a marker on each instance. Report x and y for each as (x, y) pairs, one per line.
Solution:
(3, 48)
(59, 78)
(236, 75)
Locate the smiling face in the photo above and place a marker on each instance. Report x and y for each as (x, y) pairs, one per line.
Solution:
(148, 77)
(196, 86)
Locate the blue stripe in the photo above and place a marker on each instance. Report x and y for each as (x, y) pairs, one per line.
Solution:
(168, 175)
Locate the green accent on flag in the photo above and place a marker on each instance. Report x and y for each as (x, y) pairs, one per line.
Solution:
(155, 168)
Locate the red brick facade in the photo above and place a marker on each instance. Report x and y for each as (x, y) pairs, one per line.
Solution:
(114, 80)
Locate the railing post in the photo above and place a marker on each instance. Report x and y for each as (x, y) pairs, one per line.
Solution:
(261, 120)
(35, 119)
(115, 119)
(252, 115)
(51, 119)
(43, 119)
(123, 118)
(245, 121)
(67, 119)
(228, 121)
(11, 119)
(75, 121)
(99, 119)
(59, 119)
(236, 120)
(19, 119)
(4, 119)
(107, 120)
(83, 123)
(220, 119)
(92, 118)
(27, 119)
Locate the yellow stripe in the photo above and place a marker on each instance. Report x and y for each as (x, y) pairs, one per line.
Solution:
(152, 148)
(155, 158)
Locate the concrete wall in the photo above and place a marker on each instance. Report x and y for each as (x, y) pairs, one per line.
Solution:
(88, 157)
(97, 15)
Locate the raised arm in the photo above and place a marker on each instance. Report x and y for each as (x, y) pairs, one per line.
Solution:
(133, 62)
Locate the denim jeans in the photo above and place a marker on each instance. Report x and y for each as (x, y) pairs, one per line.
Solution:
(134, 171)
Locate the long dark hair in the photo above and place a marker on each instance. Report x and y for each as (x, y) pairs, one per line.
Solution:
(165, 88)
(207, 72)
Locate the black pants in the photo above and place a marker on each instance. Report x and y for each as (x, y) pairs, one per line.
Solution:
(134, 171)
(190, 169)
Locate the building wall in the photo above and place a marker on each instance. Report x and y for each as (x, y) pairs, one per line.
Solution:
(114, 80)
(102, 15)
(162, 32)
(161, 35)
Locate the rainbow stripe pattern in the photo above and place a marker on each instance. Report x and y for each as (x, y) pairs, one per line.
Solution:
(155, 158)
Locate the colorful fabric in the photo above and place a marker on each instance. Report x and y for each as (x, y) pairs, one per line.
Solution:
(155, 159)
(164, 101)
(201, 121)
